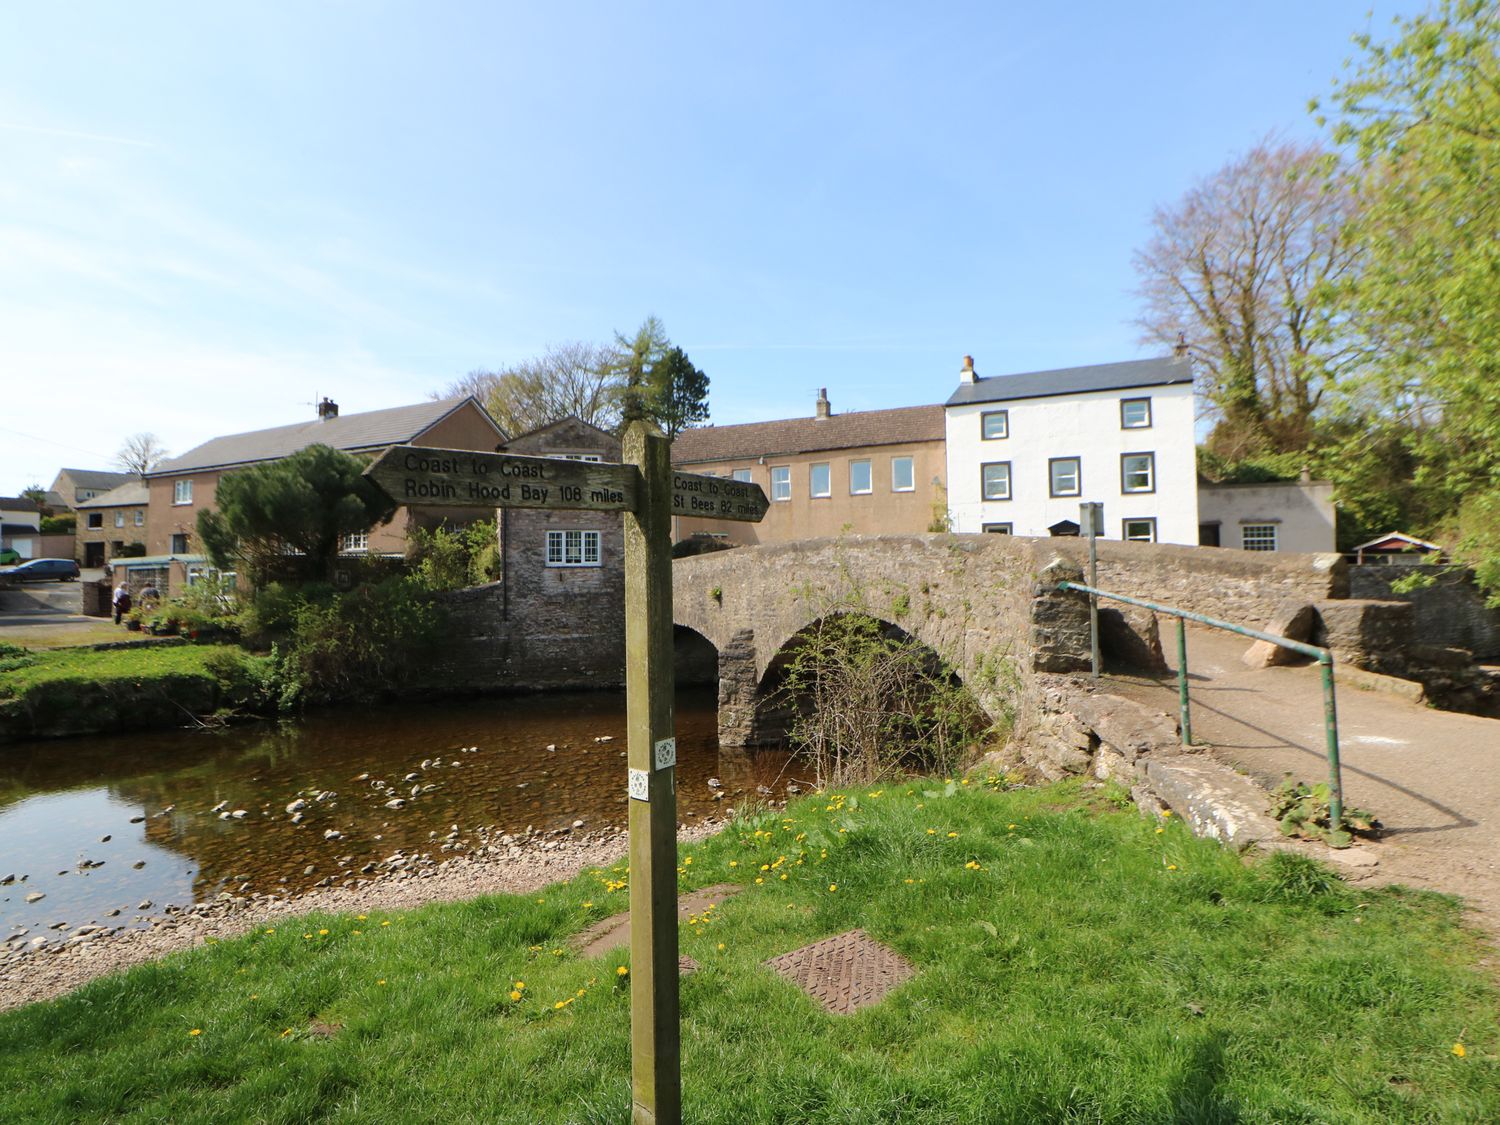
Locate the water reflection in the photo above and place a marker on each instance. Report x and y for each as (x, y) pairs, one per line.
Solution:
(215, 804)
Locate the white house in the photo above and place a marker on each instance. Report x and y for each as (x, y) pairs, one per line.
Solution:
(1025, 450)
(20, 525)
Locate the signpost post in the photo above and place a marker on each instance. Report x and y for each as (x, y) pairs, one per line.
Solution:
(650, 493)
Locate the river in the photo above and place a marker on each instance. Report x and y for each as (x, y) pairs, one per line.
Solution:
(107, 824)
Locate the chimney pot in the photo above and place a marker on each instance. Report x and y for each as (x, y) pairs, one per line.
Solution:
(966, 374)
(327, 409)
(823, 409)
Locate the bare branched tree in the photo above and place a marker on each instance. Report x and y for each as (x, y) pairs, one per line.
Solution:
(141, 453)
(1242, 270)
(567, 379)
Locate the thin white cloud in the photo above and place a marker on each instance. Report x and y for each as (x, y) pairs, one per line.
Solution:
(75, 134)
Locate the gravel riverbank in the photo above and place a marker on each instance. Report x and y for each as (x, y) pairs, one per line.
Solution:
(29, 973)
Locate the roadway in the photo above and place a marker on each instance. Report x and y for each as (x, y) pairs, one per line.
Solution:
(1429, 776)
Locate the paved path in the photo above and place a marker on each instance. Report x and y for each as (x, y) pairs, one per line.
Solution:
(1431, 777)
(44, 614)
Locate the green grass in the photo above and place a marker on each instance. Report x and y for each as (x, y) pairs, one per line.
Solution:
(78, 691)
(1090, 969)
(95, 666)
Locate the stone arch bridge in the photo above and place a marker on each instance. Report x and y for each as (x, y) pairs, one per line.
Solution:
(987, 604)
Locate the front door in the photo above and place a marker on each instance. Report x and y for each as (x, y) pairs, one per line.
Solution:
(93, 554)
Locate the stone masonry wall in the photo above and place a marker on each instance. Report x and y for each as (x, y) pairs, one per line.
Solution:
(1450, 613)
(1242, 587)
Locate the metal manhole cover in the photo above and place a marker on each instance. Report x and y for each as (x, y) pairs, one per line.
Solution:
(846, 972)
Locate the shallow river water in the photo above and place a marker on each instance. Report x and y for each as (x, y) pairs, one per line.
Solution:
(109, 823)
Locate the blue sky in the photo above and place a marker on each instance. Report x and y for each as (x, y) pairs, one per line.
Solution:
(209, 214)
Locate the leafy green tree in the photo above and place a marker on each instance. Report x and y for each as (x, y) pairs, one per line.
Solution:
(289, 515)
(1422, 113)
(676, 393)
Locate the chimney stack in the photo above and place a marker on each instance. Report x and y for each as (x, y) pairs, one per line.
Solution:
(327, 410)
(1181, 347)
(822, 405)
(966, 375)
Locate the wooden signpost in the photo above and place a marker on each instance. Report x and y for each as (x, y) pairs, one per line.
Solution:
(650, 493)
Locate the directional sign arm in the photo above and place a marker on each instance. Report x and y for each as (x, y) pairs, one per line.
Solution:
(466, 478)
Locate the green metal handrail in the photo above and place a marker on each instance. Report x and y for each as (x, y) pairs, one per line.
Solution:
(1321, 655)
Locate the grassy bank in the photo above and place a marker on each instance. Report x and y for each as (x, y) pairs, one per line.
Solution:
(1076, 963)
(54, 692)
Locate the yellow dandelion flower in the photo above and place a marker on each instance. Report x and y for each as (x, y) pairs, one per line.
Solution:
(381, 981)
(514, 995)
(519, 984)
(272, 930)
(1011, 827)
(255, 996)
(322, 933)
(932, 832)
(305, 937)
(356, 931)
(196, 1031)
(721, 947)
(386, 923)
(360, 917)
(1166, 814)
(622, 971)
(783, 876)
(911, 880)
(832, 887)
(285, 1033)
(953, 835)
(582, 992)
(587, 905)
(765, 867)
(1458, 1049)
(1171, 867)
(759, 880)
(688, 861)
(1159, 831)
(734, 863)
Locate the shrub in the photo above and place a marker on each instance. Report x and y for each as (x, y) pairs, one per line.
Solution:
(870, 702)
(452, 558)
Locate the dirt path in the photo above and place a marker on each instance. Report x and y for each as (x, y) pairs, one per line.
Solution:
(1431, 777)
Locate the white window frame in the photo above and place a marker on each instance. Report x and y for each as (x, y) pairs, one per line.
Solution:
(984, 480)
(573, 548)
(182, 492)
(91, 525)
(911, 474)
(869, 483)
(1258, 537)
(1126, 423)
(825, 469)
(781, 486)
(1077, 487)
(355, 543)
(1002, 418)
(119, 519)
(1149, 537)
(740, 475)
(1125, 473)
(593, 457)
(140, 517)
(999, 528)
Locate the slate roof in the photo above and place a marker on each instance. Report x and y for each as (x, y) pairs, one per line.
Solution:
(808, 435)
(96, 478)
(1157, 372)
(18, 504)
(136, 492)
(349, 432)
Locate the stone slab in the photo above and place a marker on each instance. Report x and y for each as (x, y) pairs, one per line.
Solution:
(614, 931)
(1214, 800)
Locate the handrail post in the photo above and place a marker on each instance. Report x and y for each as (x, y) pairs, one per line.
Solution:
(1090, 516)
(1331, 733)
(1184, 710)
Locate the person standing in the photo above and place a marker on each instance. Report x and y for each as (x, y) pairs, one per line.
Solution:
(121, 601)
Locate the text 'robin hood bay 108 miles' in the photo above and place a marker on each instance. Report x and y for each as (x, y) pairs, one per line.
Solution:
(462, 478)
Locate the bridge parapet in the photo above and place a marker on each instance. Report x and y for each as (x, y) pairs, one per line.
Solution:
(987, 604)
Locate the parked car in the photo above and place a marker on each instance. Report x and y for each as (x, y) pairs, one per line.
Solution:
(9, 557)
(41, 570)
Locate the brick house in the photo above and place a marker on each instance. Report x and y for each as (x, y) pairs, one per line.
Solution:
(110, 522)
(178, 489)
(870, 472)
